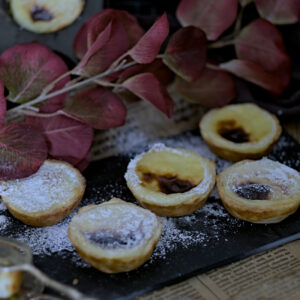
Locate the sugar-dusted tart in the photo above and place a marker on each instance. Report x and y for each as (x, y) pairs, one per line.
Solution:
(44, 16)
(262, 191)
(240, 131)
(170, 181)
(115, 236)
(47, 196)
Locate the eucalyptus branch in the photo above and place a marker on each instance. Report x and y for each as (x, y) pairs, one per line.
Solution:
(213, 67)
(107, 83)
(220, 44)
(77, 85)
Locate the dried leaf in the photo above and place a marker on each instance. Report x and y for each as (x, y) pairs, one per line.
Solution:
(84, 163)
(213, 17)
(279, 11)
(2, 103)
(213, 88)
(111, 43)
(67, 139)
(147, 48)
(185, 54)
(261, 43)
(147, 87)
(23, 150)
(255, 74)
(98, 107)
(26, 69)
(96, 24)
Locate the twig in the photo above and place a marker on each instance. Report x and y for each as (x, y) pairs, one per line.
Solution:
(77, 85)
(213, 67)
(220, 44)
(238, 22)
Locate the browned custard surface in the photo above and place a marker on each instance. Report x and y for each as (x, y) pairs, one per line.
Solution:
(168, 172)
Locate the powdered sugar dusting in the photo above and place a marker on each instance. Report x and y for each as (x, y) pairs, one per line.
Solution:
(52, 184)
(115, 226)
(203, 229)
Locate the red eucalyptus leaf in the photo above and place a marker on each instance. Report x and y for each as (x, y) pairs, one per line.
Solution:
(213, 88)
(2, 103)
(83, 164)
(103, 38)
(147, 87)
(23, 151)
(99, 43)
(255, 74)
(213, 17)
(111, 43)
(99, 108)
(185, 54)
(96, 24)
(147, 48)
(261, 42)
(279, 11)
(26, 69)
(67, 139)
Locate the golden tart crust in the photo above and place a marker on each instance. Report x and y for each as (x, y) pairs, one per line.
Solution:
(46, 197)
(115, 236)
(170, 181)
(44, 16)
(240, 131)
(262, 191)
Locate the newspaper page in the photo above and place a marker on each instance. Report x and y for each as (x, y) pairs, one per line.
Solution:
(274, 274)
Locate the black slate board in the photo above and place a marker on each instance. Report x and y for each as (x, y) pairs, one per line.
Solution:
(235, 240)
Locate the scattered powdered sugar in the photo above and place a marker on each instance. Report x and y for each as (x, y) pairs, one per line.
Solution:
(52, 184)
(46, 240)
(2, 206)
(205, 227)
(3, 222)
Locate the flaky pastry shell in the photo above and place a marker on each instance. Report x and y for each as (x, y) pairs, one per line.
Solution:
(240, 131)
(170, 181)
(46, 197)
(262, 191)
(115, 236)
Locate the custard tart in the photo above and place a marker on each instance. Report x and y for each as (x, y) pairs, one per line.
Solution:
(170, 181)
(239, 131)
(44, 16)
(47, 196)
(262, 191)
(115, 236)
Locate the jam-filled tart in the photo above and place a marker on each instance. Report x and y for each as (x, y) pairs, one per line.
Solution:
(45, 197)
(115, 236)
(240, 131)
(262, 191)
(170, 181)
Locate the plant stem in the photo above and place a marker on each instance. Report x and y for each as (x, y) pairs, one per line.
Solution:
(52, 84)
(213, 67)
(220, 44)
(107, 83)
(77, 85)
(238, 22)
